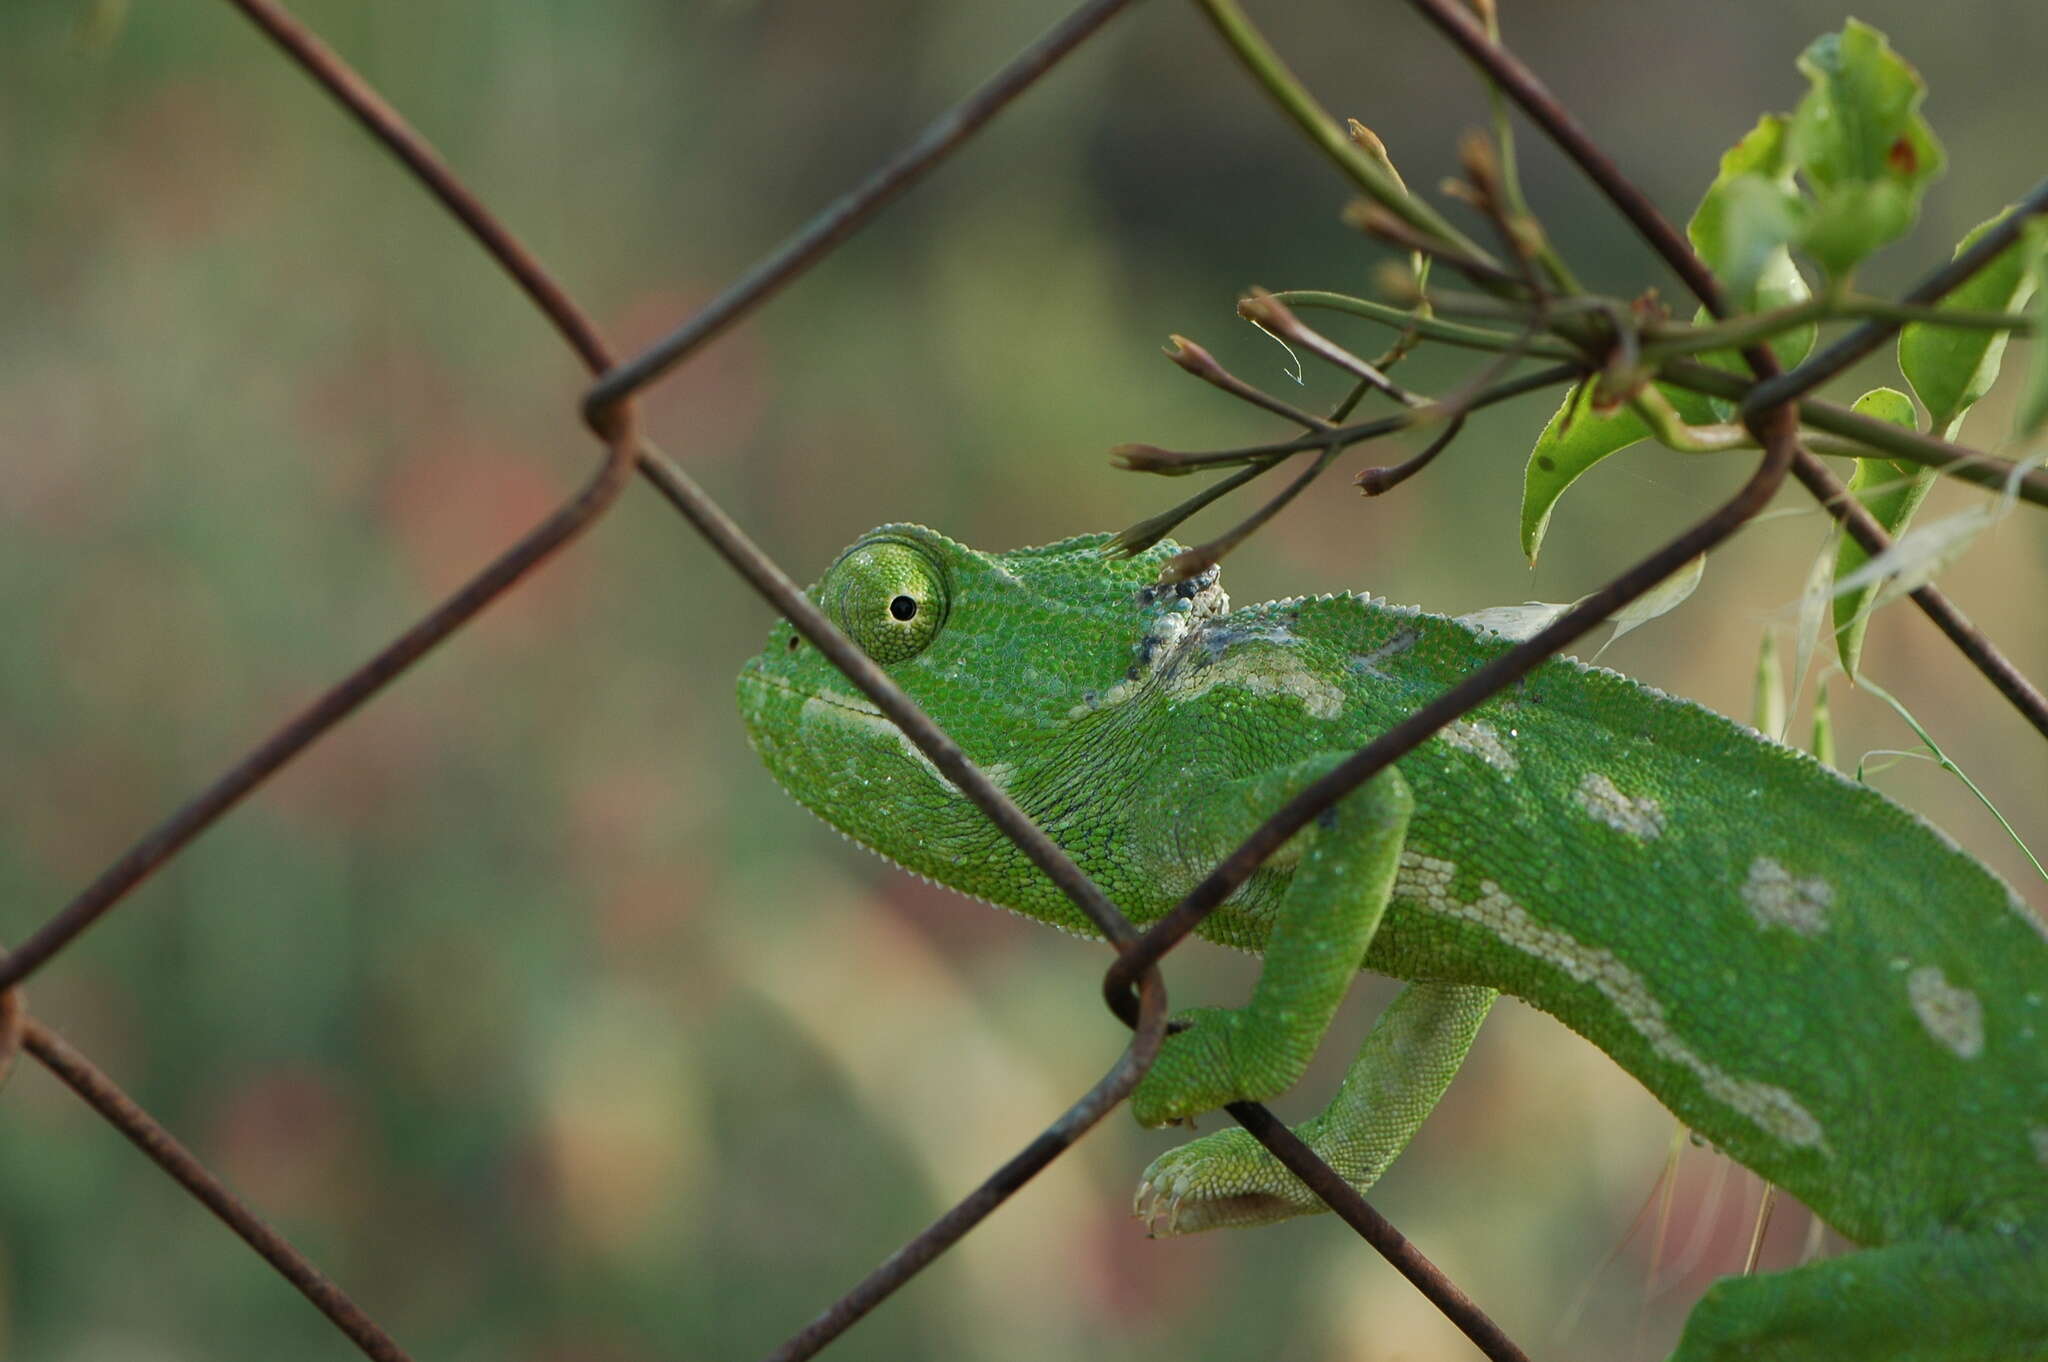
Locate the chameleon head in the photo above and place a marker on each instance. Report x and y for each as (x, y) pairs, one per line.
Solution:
(1003, 650)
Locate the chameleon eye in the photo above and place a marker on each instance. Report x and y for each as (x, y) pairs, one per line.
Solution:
(888, 596)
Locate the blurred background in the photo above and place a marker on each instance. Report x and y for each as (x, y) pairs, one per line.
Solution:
(525, 1003)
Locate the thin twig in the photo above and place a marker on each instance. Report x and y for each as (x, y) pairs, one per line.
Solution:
(1272, 315)
(1764, 1207)
(1377, 222)
(1677, 338)
(1430, 327)
(1152, 459)
(1535, 99)
(1205, 366)
(1375, 481)
(1152, 529)
(1515, 202)
(1286, 90)
(1878, 438)
(1199, 559)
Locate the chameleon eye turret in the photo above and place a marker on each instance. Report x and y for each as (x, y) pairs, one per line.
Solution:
(889, 596)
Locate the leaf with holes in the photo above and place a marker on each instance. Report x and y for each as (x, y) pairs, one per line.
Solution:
(1861, 144)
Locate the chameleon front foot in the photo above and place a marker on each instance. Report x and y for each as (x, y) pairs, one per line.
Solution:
(1197, 1071)
(1221, 1180)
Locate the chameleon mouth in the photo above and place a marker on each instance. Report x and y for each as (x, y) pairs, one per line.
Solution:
(755, 675)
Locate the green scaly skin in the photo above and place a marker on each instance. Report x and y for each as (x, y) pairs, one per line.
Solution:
(1818, 982)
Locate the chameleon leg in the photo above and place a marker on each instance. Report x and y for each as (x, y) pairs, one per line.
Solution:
(1980, 1296)
(1228, 1178)
(1343, 867)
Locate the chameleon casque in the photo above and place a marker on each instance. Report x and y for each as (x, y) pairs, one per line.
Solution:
(1811, 977)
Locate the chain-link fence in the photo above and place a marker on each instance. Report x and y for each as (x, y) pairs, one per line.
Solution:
(1132, 986)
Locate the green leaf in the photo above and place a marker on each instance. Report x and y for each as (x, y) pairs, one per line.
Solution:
(1949, 367)
(1891, 490)
(1580, 436)
(1782, 285)
(1767, 707)
(1576, 438)
(1823, 727)
(1741, 229)
(1858, 138)
(2032, 413)
(1850, 221)
(1749, 212)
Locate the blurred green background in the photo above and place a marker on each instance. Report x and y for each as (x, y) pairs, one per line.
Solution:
(525, 1003)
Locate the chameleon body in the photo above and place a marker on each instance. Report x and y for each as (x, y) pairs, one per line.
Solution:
(1812, 978)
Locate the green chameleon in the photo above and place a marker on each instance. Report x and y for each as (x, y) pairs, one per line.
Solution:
(1809, 976)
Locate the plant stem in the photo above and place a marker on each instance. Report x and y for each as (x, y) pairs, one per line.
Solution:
(1428, 327)
(1286, 90)
(1878, 438)
(1559, 273)
(1664, 339)
(1672, 432)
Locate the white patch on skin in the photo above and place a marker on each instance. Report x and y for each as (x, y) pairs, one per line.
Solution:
(1482, 740)
(1951, 1015)
(1776, 898)
(2039, 1134)
(1640, 817)
(1369, 662)
(1262, 672)
(1426, 882)
(1000, 774)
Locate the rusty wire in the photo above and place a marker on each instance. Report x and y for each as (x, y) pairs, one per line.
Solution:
(1132, 985)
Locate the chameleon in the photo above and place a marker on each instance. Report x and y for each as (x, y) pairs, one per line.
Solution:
(1816, 981)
